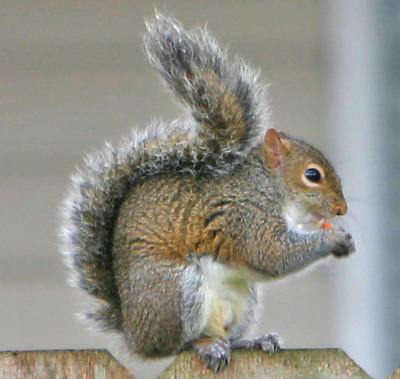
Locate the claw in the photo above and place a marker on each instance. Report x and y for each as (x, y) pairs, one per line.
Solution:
(216, 355)
(269, 343)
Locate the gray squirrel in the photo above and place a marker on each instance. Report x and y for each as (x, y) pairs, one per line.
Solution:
(171, 230)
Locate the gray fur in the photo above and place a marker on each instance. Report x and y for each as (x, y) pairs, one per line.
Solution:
(188, 61)
(152, 304)
(100, 186)
(192, 299)
(127, 234)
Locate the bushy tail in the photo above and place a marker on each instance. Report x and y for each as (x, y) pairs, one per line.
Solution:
(227, 103)
(224, 96)
(92, 205)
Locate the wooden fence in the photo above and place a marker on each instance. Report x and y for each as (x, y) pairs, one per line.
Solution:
(99, 364)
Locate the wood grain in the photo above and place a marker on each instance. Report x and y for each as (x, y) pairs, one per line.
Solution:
(302, 363)
(67, 364)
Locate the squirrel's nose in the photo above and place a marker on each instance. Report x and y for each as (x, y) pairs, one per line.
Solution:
(341, 208)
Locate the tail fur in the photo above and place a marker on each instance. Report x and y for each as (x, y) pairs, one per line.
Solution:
(226, 102)
(224, 96)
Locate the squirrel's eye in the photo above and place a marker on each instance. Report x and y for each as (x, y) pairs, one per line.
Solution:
(313, 175)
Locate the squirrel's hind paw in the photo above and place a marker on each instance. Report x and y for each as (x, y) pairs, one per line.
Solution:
(216, 354)
(270, 343)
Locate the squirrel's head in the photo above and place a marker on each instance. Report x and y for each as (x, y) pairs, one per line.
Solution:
(312, 189)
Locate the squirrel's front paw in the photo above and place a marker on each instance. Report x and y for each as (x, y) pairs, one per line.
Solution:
(216, 354)
(344, 245)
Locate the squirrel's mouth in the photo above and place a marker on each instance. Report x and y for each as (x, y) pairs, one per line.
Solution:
(316, 224)
(301, 220)
(324, 223)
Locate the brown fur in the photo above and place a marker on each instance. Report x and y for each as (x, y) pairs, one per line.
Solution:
(171, 229)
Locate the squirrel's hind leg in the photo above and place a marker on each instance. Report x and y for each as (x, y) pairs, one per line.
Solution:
(151, 304)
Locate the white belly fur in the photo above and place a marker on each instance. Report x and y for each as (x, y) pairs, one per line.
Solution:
(226, 297)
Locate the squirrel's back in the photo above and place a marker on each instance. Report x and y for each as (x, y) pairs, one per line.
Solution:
(228, 113)
(171, 215)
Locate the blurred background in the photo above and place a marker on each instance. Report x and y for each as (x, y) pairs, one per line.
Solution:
(72, 75)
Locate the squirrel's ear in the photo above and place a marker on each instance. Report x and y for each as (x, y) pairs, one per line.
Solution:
(275, 148)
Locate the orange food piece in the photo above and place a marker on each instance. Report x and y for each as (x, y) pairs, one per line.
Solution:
(327, 226)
